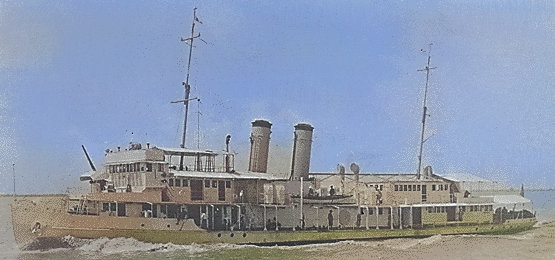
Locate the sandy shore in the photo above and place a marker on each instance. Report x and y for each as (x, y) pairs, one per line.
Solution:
(538, 243)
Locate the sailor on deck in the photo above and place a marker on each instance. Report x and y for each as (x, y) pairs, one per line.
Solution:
(330, 219)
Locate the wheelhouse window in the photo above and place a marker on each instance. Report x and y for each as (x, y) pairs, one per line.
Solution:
(214, 184)
(177, 182)
(228, 184)
(185, 183)
(207, 183)
(170, 182)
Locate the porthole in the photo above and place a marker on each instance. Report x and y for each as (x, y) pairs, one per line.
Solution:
(231, 235)
(244, 234)
(219, 234)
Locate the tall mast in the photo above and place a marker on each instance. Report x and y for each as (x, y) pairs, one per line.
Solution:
(424, 110)
(186, 82)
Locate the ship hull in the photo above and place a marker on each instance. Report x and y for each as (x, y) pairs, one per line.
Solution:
(55, 223)
(285, 237)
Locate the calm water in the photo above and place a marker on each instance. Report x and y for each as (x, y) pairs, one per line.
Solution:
(535, 244)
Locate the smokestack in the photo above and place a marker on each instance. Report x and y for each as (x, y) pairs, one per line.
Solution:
(260, 144)
(302, 146)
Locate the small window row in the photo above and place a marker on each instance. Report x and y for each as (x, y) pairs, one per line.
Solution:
(440, 187)
(442, 209)
(207, 183)
(471, 208)
(414, 187)
(133, 167)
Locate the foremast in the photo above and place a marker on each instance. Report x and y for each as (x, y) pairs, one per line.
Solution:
(186, 85)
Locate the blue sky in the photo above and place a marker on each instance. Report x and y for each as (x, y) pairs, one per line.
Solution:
(103, 73)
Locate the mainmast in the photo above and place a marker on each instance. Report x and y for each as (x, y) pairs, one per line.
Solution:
(186, 82)
(425, 110)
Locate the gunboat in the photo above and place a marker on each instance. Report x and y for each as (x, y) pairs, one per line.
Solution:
(182, 196)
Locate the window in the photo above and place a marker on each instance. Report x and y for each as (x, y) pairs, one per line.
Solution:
(433, 187)
(196, 190)
(410, 187)
(370, 211)
(380, 211)
(207, 183)
(177, 182)
(396, 187)
(228, 184)
(170, 182)
(418, 187)
(446, 186)
(405, 188)
(105, 206)
(149, 167)
(185, 183)
(414, 187)
(214, 184)
(381, 187)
